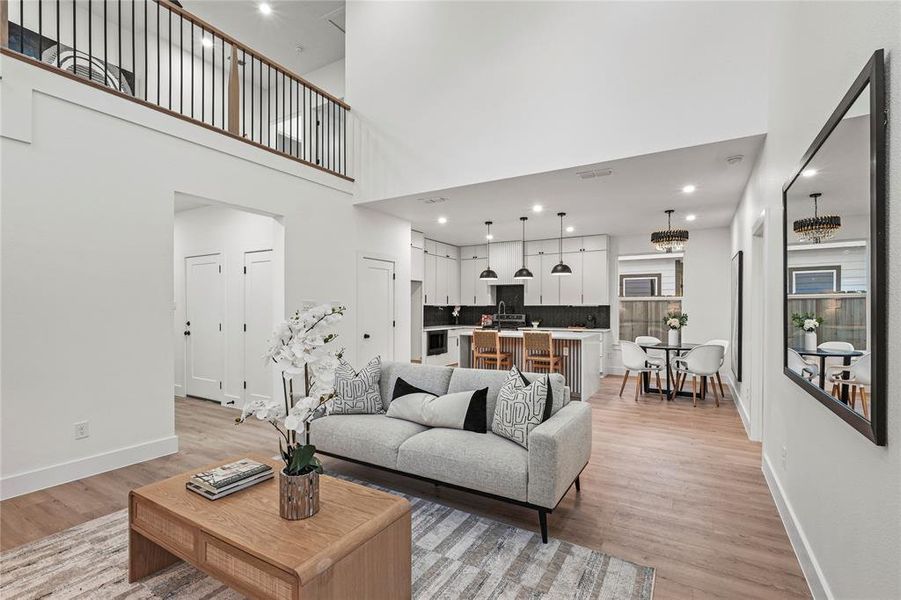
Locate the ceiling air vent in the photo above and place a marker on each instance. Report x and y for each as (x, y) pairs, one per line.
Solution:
(594, 173)
(433, 200)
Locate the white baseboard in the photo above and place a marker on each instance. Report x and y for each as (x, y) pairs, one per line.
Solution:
(816, 581)
(740, 405)
(39, 479)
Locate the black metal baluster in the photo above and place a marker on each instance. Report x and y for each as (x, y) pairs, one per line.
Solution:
(202, 75)
(40, 29)
(119, 41)
(146, 53)
(192, 69)
(181, 64)
(261, 101)
(252, 69)
(74, 36)
(268, 104)
(22, 27)
(90, 43)
(213, 78)
(224, 124)
(169, 35)
(105, 64)
(243, 93)
(291, 143)
(58, 45)
(157, 53)
(134, 66)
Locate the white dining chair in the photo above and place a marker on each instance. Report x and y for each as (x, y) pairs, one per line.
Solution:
(858, 379)
(835, 361)
(656, 356)
(636, 359)
(701, 361)
(725, 345)
(806, 369)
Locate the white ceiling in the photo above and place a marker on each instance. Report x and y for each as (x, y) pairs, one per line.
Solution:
(276, 36)
(629, 201)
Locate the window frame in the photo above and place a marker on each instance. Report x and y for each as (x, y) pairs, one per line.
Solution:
(836, 271)
(657, 278)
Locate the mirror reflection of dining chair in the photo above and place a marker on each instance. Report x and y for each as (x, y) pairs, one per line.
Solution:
(835, 361)
(858, 378)
(655, 356)
(701, 361)
(806, 369)
(636, 359)
(725, 345)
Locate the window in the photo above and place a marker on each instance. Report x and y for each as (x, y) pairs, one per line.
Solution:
(816, 280)
(639, 286)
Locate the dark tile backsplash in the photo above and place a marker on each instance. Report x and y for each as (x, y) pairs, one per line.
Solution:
(512, 295)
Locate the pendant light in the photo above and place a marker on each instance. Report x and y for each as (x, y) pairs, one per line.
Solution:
(561, 268)
(817, 228)
(669, 239)
(488, 274)
(524, 272)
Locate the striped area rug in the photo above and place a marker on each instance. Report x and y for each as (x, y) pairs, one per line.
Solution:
(455, 555)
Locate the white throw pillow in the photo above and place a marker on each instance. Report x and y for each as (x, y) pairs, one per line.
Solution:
(520, 408)
(357, 393)
(460, 410)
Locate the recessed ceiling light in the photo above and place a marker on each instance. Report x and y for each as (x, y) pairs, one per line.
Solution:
(489, 236)
(442, 220)
(207, 42)
(809, 172)
(537, 208)
(689, 189)
(265, 8)
(690, 217)
(570, 229)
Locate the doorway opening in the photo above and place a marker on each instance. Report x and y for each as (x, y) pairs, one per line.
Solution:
(229, 292)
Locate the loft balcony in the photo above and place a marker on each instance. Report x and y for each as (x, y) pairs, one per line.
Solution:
(159, 55)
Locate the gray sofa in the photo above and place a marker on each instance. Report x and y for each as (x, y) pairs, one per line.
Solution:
(482, 463)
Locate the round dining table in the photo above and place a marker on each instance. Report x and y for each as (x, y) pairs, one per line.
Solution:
(822, 354)
(668, 348)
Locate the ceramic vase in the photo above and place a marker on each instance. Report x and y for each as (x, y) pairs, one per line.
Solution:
(298, 495)
(674, 337)
(810, 340)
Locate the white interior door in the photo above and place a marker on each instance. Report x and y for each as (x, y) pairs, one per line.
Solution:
(204, 347)
(375, 325)
(258, 323)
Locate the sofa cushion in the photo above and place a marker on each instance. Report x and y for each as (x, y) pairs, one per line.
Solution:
(460, 410)
(371, 438)
(431, 378)
(520, 407)
(480, 461)
(473, 379)
(357, 392)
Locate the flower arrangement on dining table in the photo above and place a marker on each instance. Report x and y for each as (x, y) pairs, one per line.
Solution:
(300, 345)
(675, 320)
(806, 321)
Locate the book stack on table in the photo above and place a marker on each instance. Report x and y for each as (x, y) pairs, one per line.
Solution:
(228, 479)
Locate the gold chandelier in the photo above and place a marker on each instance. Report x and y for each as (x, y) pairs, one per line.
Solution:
(669, 239)
(817, 228)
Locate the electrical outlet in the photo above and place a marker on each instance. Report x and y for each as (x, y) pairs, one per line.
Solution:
(784, 457)
(81, 430)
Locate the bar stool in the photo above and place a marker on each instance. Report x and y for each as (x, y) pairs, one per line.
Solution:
(486, 348)
(538, 352)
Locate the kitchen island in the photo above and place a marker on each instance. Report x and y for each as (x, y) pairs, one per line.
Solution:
(579, 350)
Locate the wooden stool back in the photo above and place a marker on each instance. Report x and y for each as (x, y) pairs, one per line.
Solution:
(487, 342)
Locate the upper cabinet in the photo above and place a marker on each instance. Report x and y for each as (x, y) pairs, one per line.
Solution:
(441, 274)
(417, 256)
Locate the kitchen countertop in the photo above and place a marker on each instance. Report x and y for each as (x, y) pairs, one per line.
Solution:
(449, 327)
(563, 334)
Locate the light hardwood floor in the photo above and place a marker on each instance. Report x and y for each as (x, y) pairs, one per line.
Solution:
(670, 486)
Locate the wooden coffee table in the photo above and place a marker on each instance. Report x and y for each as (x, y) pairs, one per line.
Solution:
(356, 546)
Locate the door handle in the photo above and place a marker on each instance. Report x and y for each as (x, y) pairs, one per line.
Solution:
(366, 336)
(187, 333)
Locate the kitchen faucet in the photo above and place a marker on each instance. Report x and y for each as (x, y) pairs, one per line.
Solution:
(501, 308)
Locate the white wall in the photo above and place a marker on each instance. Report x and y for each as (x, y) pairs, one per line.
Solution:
(87, 264)
(706, 282)
(330, 78)
(839, 494)
(454, 93)
(231, 234)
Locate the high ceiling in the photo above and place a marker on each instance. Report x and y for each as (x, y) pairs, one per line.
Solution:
(292, 23)
(630, 200)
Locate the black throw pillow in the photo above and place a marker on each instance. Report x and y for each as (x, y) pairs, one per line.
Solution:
(476, 415)
(402, 388)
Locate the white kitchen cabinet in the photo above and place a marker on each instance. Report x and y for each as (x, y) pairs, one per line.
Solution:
(533, 286)
(417, 239)
(571, 285)
(468, 277)
(441, 280)
(430, 280)
(536, 247)
(474, 251)
(595, 285)
(594, 243)
(453, 281)
(417, 263)
(550, 284)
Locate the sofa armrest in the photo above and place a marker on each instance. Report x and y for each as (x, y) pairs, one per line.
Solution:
(558, 451)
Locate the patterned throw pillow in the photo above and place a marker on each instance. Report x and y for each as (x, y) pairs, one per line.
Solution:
(357, 393)
(520, 408)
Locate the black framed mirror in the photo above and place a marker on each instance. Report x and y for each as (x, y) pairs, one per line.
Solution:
(834, 251)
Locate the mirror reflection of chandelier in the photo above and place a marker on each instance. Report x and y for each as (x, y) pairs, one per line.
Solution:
(817, 228)
(669, 239)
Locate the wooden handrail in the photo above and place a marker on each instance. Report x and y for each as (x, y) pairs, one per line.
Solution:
(231, 40)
